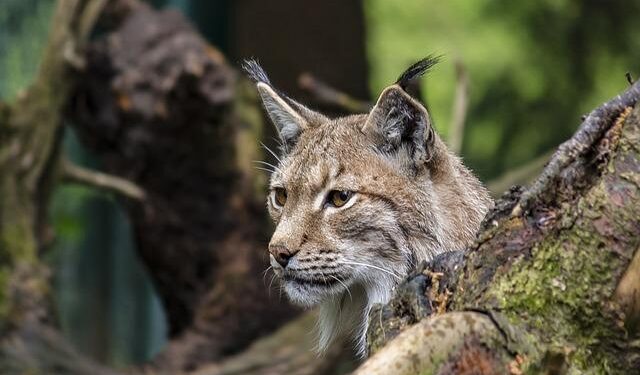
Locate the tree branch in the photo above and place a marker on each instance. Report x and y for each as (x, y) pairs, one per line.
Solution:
(39, 349)
(86, 21)
(425, 346)
(460, 108)
(546, 280)
(627, 295)
(591, 130)
(77, 174)
(328, 95)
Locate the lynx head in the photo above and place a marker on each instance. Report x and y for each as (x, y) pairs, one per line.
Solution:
(358, 200)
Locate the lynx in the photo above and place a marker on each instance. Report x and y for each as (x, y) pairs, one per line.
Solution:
(360, 200)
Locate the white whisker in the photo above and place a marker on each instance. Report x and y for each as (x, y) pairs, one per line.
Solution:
(264, 169)
(324, 280)
(374, 267)
(271, 282)
(271, 152)
(278, 141)
(345, 286)
(275, 168)
(264, 274)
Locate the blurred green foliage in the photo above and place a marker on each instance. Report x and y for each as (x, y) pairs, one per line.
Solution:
(535, 66)
(23, 30)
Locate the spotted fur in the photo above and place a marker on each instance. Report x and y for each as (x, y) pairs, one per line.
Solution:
(412, 199)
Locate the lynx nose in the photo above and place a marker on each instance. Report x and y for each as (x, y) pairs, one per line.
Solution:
(281, 254)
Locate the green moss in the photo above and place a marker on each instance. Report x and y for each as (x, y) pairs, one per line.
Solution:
(17, 240)
(563, 284)
(17, 243)
(562, 292)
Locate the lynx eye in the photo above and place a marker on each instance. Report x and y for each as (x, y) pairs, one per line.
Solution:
(280, 196)
(339, 198)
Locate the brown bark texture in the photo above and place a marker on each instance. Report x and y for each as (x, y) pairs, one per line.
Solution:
(552, 283)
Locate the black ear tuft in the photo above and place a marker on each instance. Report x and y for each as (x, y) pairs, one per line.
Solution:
(417, 70)
(255, 71)
(289, 116)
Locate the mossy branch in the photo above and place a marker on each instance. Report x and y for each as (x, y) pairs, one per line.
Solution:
(559, 280)
(425, 346)
(591, 130)
(331, 96)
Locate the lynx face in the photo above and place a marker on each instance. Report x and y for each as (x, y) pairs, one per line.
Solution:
(359, 200)
(339, 206)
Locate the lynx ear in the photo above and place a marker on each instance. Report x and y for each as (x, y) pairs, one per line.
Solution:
(287, 120)
(289, 117)
(399, 122)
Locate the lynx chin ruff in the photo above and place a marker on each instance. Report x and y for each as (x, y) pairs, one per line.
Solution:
(359, 200)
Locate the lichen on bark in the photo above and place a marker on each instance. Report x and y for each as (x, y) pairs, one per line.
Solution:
(553, 270)
(561, 288)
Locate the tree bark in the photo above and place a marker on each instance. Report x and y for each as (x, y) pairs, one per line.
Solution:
(551, 284)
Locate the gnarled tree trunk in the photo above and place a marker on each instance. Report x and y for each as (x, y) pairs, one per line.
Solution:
(552, 284)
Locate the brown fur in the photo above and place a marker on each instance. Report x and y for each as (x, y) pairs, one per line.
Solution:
(412, 199)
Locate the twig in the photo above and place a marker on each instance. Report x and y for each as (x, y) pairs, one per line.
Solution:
(90, 13)
(460, 107)
(87, 14)
(72, 56)
(77, 174)
(629, 77)
(328, 95)
(592, 129)
(520, 175)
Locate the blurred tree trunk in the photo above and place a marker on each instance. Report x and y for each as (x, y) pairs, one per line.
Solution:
(163, 109)
(30, 131)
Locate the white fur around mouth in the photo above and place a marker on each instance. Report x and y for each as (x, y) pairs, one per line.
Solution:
(318, 282)
(307, 291)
